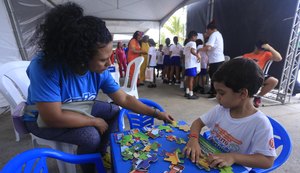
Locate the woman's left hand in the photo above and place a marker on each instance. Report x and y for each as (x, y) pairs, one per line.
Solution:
(165, 117)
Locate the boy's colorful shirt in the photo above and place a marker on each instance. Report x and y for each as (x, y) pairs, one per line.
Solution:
(249, 135)
(261, 58)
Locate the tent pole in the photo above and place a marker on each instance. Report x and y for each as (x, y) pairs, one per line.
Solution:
(16, 30)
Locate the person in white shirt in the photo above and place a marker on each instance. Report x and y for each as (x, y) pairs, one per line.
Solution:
(167, 60)
(152, 61)
(215, 51)
(192, 58)
(203, 66)
(175, 53)
(160, 60)
(244, 133)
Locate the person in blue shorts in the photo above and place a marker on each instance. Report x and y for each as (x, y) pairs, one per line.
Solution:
(192, 58)
(66, 74)
(167, 60)
(175, 53)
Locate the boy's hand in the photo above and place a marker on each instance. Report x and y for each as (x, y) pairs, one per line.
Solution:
(192, 150)
(266, 47)
(220, 160)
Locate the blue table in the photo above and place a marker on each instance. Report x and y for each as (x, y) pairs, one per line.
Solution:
(122, 166)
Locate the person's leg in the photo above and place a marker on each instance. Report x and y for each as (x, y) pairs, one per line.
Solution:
(109, 112)
(122, 67)
(154, 77)
(269, 84)
(177, 70)
(87, 139)
(172, 67)
(143, 70)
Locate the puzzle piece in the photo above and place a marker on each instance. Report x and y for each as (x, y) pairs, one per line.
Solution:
(147, 148)
(185, 127)
(171, 137)
(203, 163)
(180, 141)
(180, 155)
(118, 137)
(146, 163)
(155, 146)
(227, 169)
(175, 169)
(141, 136)
(174, 123)
(165, 127)
(127, 154)
(127, 140)
(154, 133)
(172, 157)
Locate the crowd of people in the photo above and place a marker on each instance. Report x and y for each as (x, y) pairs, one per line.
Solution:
(75, 50)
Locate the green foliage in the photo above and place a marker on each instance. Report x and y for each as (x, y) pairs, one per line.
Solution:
(175, 27)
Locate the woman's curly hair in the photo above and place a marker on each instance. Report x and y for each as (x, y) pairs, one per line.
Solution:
(69, 38)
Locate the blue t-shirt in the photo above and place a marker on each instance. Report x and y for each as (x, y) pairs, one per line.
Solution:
(58, 85)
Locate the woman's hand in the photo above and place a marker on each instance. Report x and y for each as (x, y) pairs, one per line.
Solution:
(100, 124)
(165, 117)
(192, 150)
(220, 160)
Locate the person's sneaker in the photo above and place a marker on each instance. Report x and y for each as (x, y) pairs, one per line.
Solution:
(106, 160)
(186, 94)
(256, 101)
(170, 82)
(193, 97)
(181, 84)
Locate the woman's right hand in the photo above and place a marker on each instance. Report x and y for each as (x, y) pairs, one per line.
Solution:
(101, 125)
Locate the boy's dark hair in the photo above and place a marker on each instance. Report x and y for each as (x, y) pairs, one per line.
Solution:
(185, 41)
(191, 34)
(151, 42)
(240, 73)
(199, 42)
(69, 38)
(167, 40)
(212, 25)
(259, 43)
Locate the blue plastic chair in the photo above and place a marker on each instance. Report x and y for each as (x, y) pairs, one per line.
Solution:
(34, 160)
(281, 139)
(138, 120)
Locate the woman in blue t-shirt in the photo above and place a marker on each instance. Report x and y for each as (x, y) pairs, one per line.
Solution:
(69, 70)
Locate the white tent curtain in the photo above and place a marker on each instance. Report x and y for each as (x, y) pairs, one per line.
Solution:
(8, 46)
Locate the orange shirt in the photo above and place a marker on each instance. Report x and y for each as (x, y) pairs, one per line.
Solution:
(260, 58)
(133, 44)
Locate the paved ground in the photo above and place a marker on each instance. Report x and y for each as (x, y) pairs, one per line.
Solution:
(171, 98)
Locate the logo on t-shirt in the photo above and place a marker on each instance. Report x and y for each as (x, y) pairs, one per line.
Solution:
(271, 143)
(222, 139)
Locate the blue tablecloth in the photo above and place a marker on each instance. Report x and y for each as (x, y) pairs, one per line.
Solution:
(122, 166)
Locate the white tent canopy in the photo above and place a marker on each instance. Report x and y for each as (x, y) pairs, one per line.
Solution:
(20, 17)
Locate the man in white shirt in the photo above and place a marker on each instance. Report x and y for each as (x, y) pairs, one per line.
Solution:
(215, 51)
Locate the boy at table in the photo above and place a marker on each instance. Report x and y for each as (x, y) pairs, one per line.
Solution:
(237, 127)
